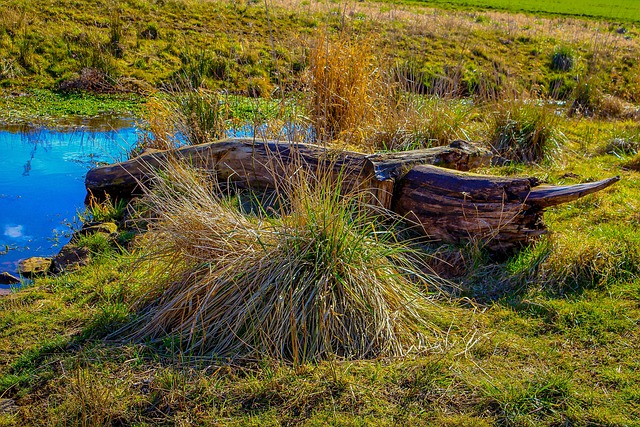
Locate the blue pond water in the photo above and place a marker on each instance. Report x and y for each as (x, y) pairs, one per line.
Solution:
(42, 182)
(42, 175)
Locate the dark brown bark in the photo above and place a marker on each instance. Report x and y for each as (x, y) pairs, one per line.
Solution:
(499, 213)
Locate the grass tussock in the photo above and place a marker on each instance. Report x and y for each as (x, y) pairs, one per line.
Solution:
(562, 59)
(590, 101)
(201, 116)
(524, 130)
(559, 266)
(160, 131)
(313, 278)
(607, 256)
(414, 122)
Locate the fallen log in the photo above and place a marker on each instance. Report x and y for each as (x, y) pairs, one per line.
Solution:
(248, 162)
(426, 186)
(244, 162)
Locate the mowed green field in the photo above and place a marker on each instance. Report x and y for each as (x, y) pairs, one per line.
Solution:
(627, 10)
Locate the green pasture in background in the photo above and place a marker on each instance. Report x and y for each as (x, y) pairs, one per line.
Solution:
(626, 10)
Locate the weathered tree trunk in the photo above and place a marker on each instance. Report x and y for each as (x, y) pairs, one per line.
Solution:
(244, 162)
(498, 212)
(258, 164)
(446, 204)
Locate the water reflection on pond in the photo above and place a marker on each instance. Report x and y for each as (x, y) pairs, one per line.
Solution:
(42, 181)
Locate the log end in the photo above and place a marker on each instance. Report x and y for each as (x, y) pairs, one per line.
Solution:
(545, 196)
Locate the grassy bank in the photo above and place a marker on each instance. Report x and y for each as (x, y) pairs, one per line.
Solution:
(263, 51)
(250, 49)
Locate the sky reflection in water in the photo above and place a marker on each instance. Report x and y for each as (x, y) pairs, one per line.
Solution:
(42, 175)
(42, 183)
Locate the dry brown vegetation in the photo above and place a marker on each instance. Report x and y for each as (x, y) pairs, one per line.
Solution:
(313, 274)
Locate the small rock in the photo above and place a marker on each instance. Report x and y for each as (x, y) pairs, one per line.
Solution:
(95, 227)
(8, 406)
(100, 227)
(8, 279)
(4, 292)
(34, 266)
(70, 258)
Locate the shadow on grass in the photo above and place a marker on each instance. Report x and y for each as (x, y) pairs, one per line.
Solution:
(550, 269)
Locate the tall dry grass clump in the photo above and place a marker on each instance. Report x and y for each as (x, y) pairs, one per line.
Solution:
(159, 127)
(345, 85)
(314, 277)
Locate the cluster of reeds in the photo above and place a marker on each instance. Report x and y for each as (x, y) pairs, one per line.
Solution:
(191, 117)
(345, 85)
(357, 98)
(200, 115)
(108, 210)
(562, 59)
(317, 275)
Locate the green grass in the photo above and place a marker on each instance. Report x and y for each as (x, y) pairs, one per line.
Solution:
(47, 107)
(540, 360)
(141, 46)
(547, 337)
(625, 10)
